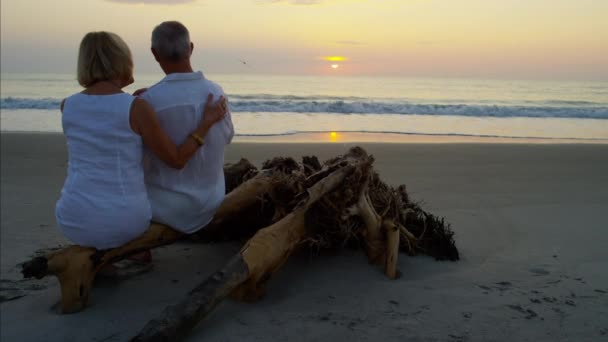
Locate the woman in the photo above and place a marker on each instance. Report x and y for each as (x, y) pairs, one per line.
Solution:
(104, 202)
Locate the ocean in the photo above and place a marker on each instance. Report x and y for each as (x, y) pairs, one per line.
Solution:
(272, 105)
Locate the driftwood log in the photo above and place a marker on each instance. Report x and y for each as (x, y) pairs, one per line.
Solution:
(288, 206)
(76, 267)
(282, 207)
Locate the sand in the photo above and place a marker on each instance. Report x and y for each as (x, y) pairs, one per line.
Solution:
(530, 223)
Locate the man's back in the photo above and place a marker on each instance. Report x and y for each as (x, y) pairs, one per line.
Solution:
(187, 199)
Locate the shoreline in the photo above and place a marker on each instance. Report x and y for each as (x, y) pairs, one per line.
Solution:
(529, 221)
(381, 138)
(408, 138)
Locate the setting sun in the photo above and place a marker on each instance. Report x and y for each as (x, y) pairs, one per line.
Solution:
(335, 58)
(335, 66)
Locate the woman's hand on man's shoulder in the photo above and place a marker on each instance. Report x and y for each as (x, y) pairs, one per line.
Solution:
(213, 113)
(140, 91)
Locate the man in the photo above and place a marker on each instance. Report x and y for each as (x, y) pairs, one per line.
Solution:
(185, 199)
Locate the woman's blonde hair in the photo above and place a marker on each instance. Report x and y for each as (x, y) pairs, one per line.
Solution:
(103, 56)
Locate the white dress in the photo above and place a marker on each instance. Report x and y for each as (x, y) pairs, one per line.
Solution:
(103, 202)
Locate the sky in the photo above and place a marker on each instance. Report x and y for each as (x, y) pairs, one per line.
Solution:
(521, 39)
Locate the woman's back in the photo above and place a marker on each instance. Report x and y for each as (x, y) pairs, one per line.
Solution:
(103, 203)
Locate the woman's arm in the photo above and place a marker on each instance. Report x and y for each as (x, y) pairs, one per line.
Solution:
(145, 123)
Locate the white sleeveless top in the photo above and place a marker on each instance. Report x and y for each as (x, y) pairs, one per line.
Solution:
(103, 203)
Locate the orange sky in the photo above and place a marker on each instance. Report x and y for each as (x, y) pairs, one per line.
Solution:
(563, 39)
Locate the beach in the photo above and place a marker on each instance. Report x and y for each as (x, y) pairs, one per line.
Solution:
(530, 224)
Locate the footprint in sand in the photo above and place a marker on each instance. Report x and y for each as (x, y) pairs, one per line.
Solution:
(550, 299)
(9, 292)
(504, 285)
(11, 289)
(458, 338)
(500, 286)
(528, 312)
(539, 271)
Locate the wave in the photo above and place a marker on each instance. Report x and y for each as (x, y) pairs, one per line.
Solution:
(321, 98)
(27, 103)
(354, 105)
(451, 134)
(572, 103)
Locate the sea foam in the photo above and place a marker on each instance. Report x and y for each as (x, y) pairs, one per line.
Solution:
(353, 105)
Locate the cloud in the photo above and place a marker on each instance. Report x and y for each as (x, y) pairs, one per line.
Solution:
(348, 42)
(430, 42)
(153, 2)
(314, 2)
(293, 2)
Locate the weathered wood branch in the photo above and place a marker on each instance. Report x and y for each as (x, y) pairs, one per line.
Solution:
(176, 321)
(248, 271)
(244, 203)
(373, 224)
(76, 267)
(283, 207)
(392, 249)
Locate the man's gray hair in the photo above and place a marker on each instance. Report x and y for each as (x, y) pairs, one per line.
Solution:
(171, 40)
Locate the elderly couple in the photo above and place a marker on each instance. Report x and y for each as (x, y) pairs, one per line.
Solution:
(156, 155)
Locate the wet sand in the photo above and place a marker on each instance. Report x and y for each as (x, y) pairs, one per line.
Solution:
(530, 223)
